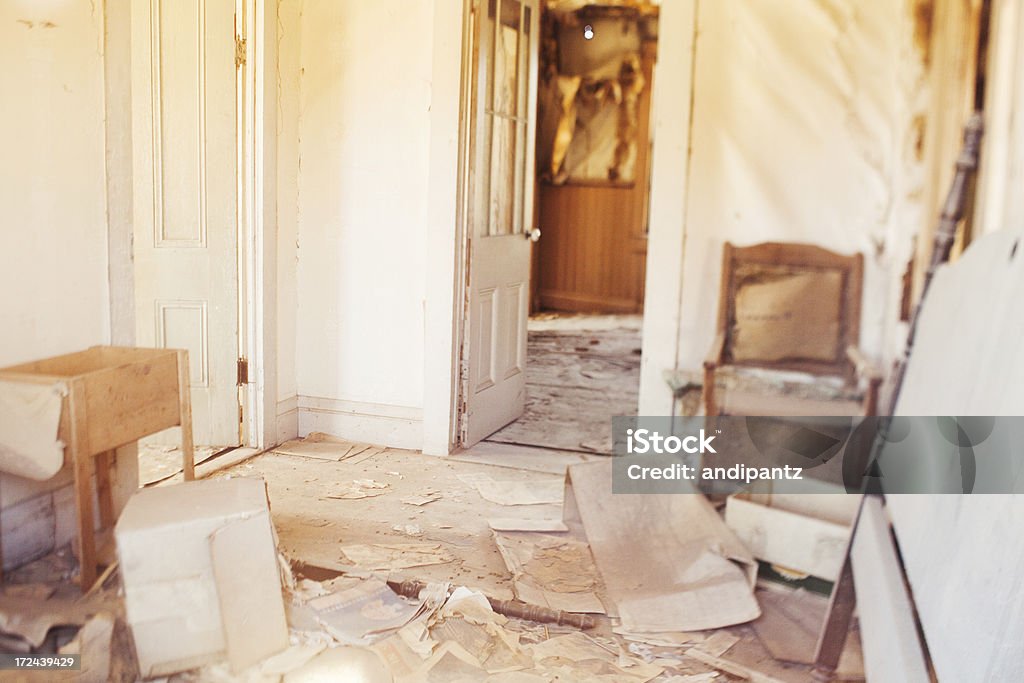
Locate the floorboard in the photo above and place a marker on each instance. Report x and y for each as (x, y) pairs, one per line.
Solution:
(577, 379)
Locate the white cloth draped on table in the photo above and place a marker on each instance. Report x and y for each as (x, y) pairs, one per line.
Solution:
(29, 424)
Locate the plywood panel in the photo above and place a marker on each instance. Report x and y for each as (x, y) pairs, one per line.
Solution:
(892, 651)
(593, 249)
(964, 554)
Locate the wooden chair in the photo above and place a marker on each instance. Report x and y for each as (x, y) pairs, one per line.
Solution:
(790, 307)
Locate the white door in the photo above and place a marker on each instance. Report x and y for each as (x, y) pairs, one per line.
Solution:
(186, 200)
(500, 214)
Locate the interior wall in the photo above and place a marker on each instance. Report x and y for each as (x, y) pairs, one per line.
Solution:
(289, 33)
(803, 131)
(52, 186)
(54, 228)
(362, 178)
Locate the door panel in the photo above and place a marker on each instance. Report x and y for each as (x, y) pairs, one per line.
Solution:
(501, 197)
(185, 198)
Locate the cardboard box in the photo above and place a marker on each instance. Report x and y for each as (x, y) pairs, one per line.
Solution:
(806, 532)
(200, 572)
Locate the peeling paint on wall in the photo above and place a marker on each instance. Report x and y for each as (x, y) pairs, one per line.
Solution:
(806, 128)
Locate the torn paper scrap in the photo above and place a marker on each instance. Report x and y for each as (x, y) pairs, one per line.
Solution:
(554, 572)
(423, 497)
(717, 644)
(364, 612)
(545, 491)
(515, 524)
(360, 488)
(394, 556)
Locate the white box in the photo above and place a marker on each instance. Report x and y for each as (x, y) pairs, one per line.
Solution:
(807, 532)
(201, 580)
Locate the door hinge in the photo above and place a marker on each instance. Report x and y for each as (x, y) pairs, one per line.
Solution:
(239, 51)
(243, 371)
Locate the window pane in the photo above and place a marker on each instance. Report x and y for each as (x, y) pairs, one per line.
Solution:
(503, 177)
(506, 59)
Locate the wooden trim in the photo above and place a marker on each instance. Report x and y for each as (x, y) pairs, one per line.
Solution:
(447, 237)
(582, 303)
(380, 424)
(671, 128)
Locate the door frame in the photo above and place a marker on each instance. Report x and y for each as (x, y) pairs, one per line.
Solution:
(446, 240)
(257, 206)
(257, 230)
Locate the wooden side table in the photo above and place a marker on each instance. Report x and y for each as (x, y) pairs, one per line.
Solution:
(115, 396)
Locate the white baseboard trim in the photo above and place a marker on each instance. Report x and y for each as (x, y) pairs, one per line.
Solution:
(375, 423)
(287, 419)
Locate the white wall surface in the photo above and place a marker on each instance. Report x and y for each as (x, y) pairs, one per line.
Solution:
(289, 17)
(364, 134)
(802, 132)
(54, 293)
(53, 231)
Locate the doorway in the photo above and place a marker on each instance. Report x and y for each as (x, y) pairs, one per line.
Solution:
(194, 247)
(568, 356)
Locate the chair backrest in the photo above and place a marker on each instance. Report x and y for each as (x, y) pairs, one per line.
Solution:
(790, 307)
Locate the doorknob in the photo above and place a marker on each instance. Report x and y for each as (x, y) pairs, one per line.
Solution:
(533, 235)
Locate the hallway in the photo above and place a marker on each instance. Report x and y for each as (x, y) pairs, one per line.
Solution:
(582, 371)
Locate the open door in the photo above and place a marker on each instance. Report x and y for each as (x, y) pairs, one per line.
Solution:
(185, 140)
(500, 214)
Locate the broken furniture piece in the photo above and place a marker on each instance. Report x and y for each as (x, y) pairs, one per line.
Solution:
(112, 396)
(201, 578)
(790, 307)
(510, 608)
(802, 533)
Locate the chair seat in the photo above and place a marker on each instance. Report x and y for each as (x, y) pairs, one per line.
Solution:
(738, 402)
(744, 392)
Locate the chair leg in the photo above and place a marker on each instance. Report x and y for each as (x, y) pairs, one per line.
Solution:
(708, 391)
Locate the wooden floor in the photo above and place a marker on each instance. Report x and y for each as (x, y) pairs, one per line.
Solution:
(580, 372)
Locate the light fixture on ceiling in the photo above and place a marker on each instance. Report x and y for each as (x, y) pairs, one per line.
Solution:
(588, 32)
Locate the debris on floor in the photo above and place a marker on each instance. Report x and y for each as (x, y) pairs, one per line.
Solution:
(539, 492)
(320, 446)
(558, 573)
(545, 579)
(368, 610)
(158, 463)
(394, 556)
(789, 625)
(663, 575)
(583, 370)
(360, 488)
(200, 572)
